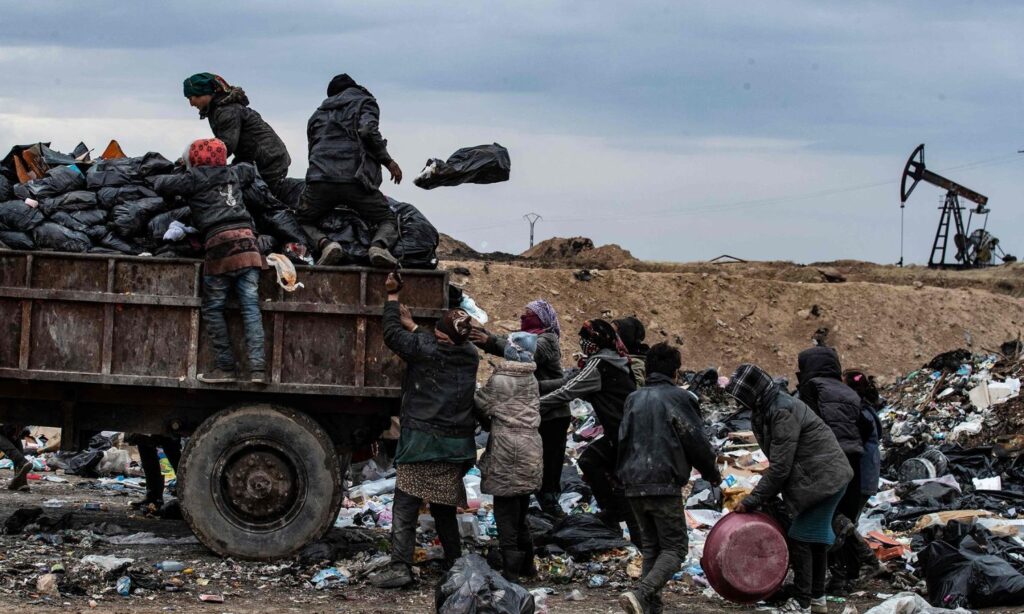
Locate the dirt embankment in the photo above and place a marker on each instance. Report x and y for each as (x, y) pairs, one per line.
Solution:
(724, 315)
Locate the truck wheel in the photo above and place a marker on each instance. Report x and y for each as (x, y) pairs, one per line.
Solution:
(259, 482)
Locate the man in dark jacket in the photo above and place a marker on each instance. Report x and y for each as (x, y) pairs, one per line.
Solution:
(11, 446)
(820, 386)
(604, 380)
(216, 196)
(346, 151)
(660, 439)
(247, 136)
(436, 446)
(539, 318)
(806, 466)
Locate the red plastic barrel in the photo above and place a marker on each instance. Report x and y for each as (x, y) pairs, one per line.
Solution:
(745, 557)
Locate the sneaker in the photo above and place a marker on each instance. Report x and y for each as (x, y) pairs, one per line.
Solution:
(396, 575)
(382, 258)
(819, 605)
(331, 254)
(791, 606)
(632, 603)
(20, 480)
(258, 377)
(217, 376)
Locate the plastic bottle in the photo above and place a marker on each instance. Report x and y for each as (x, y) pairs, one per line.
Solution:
(124, 586)
(170, 566)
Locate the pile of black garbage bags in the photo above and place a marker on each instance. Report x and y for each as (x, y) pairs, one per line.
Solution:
(110, 207)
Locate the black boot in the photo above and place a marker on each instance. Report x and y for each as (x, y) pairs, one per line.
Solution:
(529, 567)
(513, 560)
(549, 504)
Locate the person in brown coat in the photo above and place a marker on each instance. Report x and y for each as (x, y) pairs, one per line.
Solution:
(511, 467)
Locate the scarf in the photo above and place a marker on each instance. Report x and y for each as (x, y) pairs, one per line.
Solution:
(530, 323)
(207, 152)
(749, 385)
(547, 315)
(597, 335)
(203, 83)
(632, 333)
(455, 324)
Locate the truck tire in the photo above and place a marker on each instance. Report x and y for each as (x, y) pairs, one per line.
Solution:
(259, 482)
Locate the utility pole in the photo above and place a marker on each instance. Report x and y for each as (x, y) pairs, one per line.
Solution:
(532, 219)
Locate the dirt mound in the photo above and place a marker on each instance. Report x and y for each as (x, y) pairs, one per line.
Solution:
(450, 248)
(724, 315)
(579, 251)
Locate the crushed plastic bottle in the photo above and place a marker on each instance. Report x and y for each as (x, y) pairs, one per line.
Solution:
(330, 577)
(170, 566)
(124, 586)
(597, 581)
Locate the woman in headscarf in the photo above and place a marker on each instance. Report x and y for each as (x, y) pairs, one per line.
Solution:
(248, 137)
(604, 380)
(539, 318)
(806, 466)
(435, 446)
(632, 333)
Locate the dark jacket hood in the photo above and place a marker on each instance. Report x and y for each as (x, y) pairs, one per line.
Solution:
(819, 362)
(234, 95)
(612, 358)
(346, 97)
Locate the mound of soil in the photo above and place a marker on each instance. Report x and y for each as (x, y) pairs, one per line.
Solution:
(579, 252)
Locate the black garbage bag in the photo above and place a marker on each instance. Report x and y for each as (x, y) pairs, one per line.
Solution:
(159, 224)
(57, 181)
(69, 201)
(584, 535)
(480, 164)
(111, 241)
(339, 544)
(153, 164)
(571, 480)
(21, 518)
(347, 229)
(289, 191)
(949, 361)
(472, 587)
(130, 218)
(6, 189)
(16, 215)
(935, 495)
(709, 497)
(959, 577)
(65, 220)
(53, 236)
(112, 173)
(16, 240)
(109, 197)
(280, 223)
(90, 217)
(417, 244)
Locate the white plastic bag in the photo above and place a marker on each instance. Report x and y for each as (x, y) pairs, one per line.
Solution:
(286, 275)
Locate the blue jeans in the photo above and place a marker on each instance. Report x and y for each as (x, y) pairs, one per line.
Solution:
(246, 283)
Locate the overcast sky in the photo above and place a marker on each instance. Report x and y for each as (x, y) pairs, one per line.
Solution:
(680, 130)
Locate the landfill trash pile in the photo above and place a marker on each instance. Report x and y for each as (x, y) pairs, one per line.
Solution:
(112, 205)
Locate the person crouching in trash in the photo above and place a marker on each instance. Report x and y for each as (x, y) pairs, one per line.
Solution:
(807, 467)
(214, 193)
(436, 445)
(511, 468)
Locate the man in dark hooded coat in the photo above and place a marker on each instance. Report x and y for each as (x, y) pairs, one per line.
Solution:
(346, 152)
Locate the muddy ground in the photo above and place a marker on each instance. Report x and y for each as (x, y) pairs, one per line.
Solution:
(246, 586)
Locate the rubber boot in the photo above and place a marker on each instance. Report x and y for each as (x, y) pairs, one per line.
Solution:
(549, 504)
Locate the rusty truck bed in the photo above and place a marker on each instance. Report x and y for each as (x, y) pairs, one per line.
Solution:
(126, 331)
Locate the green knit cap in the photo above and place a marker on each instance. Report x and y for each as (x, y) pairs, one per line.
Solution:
(203, 83)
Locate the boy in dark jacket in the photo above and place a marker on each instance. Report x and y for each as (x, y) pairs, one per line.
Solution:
(247, 136)
(346, 151)
(604, 380)
(660, 439)
(216, 196)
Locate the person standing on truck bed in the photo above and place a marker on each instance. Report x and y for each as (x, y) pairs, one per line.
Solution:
(216, 196)
(436, 445)
(11, 446)
(247, 136)
(346, 151)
